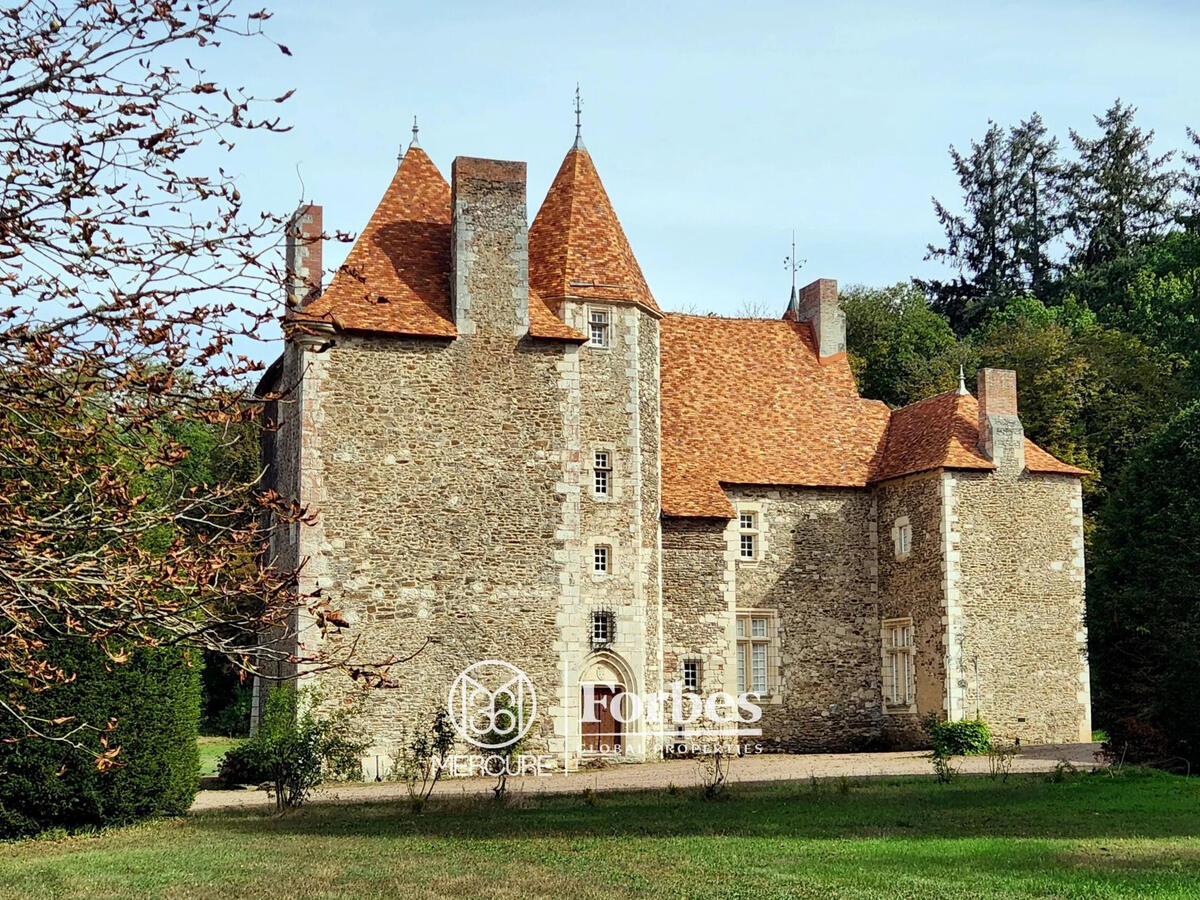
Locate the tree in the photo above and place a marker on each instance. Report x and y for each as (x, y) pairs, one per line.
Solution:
(1038, 216)
(1089, 394)
(977, 243)
(1143, 616)
(132, 268)
(900, 350)
(1190, 212)
(1121, 193)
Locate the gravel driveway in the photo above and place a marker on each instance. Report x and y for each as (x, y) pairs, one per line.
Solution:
(683, 772)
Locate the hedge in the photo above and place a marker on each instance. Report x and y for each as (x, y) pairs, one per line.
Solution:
(155, 698)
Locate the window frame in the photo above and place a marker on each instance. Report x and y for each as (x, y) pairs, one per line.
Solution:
(751, 534)
(902, 537)
(603, 620)
(604, 472)
(747, 638)
(697, 673)
(599, 316)
(897, 658)
(605, 551)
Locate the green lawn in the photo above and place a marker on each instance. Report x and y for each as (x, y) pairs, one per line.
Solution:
(1093, 836)
(211, 751)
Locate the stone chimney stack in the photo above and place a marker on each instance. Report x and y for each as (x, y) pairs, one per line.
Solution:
(302, 255)
(818, 303)
(1001, 437)
(489, 247)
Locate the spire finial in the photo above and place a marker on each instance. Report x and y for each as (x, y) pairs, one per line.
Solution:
(793, 263)
(962, 380)
(578, 123)
(415, 130)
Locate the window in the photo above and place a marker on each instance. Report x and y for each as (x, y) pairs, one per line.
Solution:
(748, 536)
(902, 537)
(755, 654)
(601, 559)
(898, 662)
(602, 473)
(691, 675)
(598, 325)
(604, 628)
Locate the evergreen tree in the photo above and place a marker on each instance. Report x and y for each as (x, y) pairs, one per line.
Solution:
(1121, 193)
(1037, 205)
(1191, 185)
(977, 241)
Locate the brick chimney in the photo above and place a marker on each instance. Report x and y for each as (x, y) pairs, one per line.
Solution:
(489, 247)
(1001, 437)
(818, 303)
(302, 255)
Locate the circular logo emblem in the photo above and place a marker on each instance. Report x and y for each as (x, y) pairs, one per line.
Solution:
(492, 704)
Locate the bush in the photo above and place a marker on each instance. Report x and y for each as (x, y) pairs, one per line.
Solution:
(242, 765)
(154, 698)
(971, 737)
(295, 749)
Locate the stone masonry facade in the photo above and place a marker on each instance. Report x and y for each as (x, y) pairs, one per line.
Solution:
(498, 492)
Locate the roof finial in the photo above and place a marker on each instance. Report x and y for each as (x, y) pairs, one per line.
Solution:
(415, 130)
(578, 125)
(794, 264)
(962, 380)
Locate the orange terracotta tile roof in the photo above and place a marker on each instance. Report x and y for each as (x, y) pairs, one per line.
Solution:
(747, 401)
(942, 432)
(577, 247)
(396, 278)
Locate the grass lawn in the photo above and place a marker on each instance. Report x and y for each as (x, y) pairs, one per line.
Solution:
(1092, 836)
(211, 751)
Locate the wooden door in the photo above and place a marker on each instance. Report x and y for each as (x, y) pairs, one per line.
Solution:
(604, 734)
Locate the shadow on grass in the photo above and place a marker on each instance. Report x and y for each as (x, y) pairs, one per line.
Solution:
(1133, 805)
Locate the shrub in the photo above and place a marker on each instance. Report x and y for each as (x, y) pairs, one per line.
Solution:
(296, 749)
(154, 697)
(419, 762)
(1000, 760)
(970, 737)
(242, 765)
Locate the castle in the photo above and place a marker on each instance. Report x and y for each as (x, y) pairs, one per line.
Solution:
(511, 452)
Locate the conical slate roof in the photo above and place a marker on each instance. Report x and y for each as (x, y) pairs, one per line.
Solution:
(577, 247)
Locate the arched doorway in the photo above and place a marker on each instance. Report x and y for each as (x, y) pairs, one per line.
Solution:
(602, 687)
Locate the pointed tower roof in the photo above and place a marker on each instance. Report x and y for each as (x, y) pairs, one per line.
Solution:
(577, 248)
(396, 278)
(942, 432)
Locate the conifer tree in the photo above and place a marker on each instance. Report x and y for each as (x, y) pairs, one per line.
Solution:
(1121, 193)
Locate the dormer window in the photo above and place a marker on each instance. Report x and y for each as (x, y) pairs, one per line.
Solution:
(599, 325)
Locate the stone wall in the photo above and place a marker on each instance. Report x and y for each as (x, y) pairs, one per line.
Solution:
(696, 613)
(1019, 657)
(913, 586)
(817, 573)
(449, 521)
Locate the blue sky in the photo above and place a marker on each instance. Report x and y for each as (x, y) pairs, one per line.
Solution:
(717, 128)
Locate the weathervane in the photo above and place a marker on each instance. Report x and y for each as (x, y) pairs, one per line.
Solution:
(578, 112)
(415, 130)
(792, 263)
